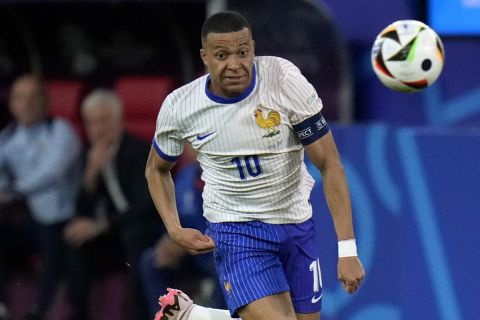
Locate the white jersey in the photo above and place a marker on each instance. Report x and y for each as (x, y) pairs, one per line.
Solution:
(251, 157)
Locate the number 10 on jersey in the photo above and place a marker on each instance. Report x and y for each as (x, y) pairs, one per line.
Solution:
(250, 163)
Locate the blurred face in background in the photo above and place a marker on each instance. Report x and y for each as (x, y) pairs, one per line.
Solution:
(229, 59)
(28, 101)
(103, 122)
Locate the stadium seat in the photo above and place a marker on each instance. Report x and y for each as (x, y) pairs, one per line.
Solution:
(64, 101)
(142, 98)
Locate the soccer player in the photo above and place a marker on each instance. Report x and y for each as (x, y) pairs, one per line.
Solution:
(250, 119)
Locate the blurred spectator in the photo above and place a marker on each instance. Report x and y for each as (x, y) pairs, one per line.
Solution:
(163, 265)
(39, 164)
(116, 220)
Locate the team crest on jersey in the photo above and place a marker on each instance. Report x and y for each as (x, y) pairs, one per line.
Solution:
(228, 287)
(269, 123)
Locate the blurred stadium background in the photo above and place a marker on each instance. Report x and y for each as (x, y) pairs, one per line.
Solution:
(412, 160)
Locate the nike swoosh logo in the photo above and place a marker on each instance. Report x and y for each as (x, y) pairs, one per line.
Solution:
(199, 137)
(315, 299)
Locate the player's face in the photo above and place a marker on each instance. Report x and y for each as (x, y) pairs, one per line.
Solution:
(27, 101)
(229, 59)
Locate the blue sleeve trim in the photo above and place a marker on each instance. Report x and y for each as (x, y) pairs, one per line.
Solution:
(311, 129)
(162, 154)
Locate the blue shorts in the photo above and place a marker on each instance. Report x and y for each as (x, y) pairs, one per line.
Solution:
(256, 259)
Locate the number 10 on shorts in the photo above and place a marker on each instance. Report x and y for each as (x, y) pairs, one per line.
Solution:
(317, 275)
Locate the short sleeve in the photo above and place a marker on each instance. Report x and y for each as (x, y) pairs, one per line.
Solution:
(299, 97)
(167, 140)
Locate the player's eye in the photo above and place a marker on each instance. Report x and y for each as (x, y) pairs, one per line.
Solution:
(244, 53)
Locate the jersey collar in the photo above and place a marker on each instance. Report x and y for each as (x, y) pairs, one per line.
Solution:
(239, 98)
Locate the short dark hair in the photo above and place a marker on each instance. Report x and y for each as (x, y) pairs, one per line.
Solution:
(224, 22)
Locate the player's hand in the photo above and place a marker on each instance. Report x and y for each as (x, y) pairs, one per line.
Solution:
(192, 240)
(350, 273)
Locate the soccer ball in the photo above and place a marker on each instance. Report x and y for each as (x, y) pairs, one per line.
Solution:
(407, 56)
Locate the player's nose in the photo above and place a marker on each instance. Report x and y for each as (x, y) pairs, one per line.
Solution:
(233, 62)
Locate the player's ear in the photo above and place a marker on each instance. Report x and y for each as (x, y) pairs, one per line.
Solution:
(253, 46)
(203, 55)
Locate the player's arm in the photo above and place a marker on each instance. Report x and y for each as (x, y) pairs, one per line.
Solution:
(162, 191)
(324, 155)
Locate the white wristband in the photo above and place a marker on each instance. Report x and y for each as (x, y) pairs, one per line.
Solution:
(347, 248)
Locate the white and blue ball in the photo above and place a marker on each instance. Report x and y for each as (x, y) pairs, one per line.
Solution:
(407, 56)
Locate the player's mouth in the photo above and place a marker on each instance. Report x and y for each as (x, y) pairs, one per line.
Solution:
(235, 78)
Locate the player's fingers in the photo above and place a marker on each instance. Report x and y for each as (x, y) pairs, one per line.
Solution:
(209, 238)
(202, 237)
(202, 245)
(351, 286)
(200, 251)
(343, 282)
(204, 251)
